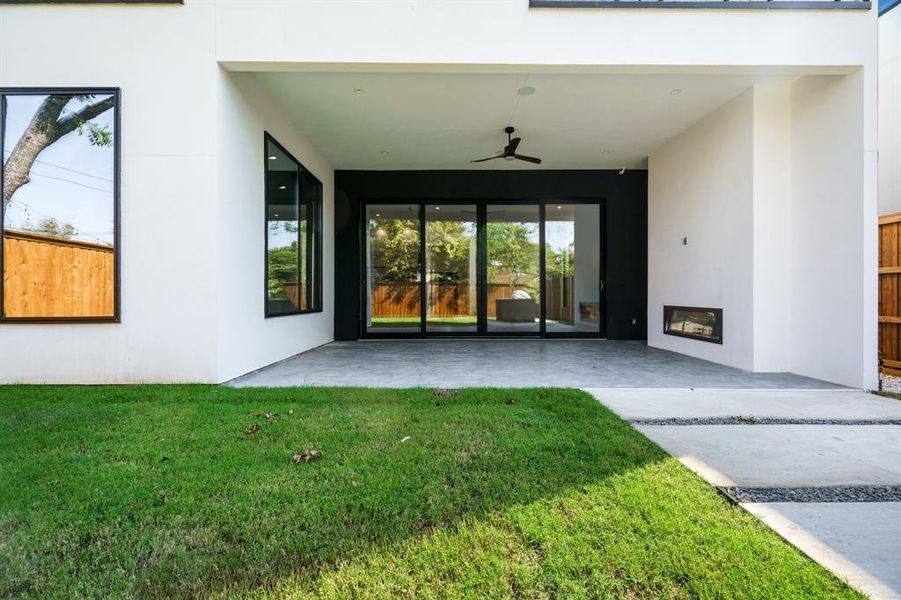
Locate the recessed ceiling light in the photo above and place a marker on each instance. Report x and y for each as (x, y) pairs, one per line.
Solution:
(273, 158)
(526, 90)
(675, 92)
(559, 208)
(437, 208)
(276, 214)
(605, 151)
(385, 153)
(359, 91)
(378, 215)
(282, 187)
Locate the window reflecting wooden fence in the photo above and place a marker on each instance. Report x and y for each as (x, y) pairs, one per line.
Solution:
(45, 276)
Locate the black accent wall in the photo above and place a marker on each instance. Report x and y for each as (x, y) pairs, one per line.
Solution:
(626, 203)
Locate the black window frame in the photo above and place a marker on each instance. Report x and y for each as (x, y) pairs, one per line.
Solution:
(117, 189)
(313, 235)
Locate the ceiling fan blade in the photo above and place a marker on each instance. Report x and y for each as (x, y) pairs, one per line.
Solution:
(512, 146)
(530, 159)
(489, 158)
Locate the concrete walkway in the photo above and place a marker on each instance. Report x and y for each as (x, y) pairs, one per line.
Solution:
(842, 446)
(454, 363)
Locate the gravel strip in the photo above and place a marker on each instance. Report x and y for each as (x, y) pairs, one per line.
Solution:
(739, 420)
(837, 493)
(891, 383)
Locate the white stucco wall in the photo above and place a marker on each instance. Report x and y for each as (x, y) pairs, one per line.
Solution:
(163, 59)
(247, 340)
(786, 171)
(192, 201)
(834, 224)
(411, 34)
(191, 173)
(890, 112)
(700, 187)
(772, 223)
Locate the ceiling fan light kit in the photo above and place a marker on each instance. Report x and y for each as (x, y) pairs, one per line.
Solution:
(509, 152)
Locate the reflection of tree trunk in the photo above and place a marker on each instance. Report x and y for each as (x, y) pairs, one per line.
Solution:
(44, 129)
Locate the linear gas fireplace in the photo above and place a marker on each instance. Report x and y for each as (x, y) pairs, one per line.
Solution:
(693, 322)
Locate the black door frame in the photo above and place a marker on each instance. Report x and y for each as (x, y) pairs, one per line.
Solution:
(481, 205)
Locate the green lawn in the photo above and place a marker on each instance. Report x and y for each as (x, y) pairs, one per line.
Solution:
(463, 321)
(160, 491)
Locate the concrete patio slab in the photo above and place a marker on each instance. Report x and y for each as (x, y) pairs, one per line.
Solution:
(836, 404)
(453, 363)
(786, 455)
(859, 540)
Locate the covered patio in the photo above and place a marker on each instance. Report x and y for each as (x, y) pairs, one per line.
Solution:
(512, 363)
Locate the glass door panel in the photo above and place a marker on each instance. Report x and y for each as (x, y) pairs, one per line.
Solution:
(394, 302)
(450, 260)
(572, 268)
(512, 256)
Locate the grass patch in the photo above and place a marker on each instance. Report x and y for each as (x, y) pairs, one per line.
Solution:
(892, 395)
(462, 321)
(164, 491)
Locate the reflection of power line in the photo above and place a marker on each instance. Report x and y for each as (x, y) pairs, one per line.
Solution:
(27, 209)
(55, 166)
(84, 185)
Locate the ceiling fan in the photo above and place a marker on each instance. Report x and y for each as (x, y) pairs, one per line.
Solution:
(509, 152)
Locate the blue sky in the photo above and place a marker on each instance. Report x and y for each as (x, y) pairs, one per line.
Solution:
(71, 181)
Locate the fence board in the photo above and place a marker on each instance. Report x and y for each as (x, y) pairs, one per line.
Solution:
(401, 300)
(889, 287)
(45, 276)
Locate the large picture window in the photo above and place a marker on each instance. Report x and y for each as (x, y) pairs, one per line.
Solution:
(60, 200)
(293, 235)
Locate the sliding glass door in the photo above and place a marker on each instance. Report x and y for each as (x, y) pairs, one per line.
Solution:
(513, 291)
(393, 261)
(451, 268)
(525, 268)
(572, 267)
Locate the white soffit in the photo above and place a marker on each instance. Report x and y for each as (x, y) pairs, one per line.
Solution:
(397, 121)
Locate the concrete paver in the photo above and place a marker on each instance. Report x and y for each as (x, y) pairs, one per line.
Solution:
(785, 455)
(838, 404)
(454, 363)
(859, 541)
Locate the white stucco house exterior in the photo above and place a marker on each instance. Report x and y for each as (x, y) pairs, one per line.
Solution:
(889, 107)
(748, 128)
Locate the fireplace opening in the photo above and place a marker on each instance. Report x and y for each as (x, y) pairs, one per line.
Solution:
(694, 322)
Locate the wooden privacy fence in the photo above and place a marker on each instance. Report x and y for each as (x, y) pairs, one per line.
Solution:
(45, 276)
(296, 295)
(559, 296)
(399, 300)
(890, 292)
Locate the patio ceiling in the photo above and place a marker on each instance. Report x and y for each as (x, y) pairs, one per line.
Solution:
(388, 121)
